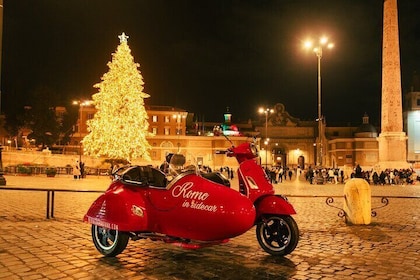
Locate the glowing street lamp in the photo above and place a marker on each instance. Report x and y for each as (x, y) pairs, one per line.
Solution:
(81, 104)
(317, 49)
(266, 111)
(178, 117)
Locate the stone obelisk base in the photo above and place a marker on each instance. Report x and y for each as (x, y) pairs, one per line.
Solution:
(392, 150)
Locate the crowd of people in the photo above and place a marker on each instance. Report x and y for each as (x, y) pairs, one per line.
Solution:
(230, 174)
(388, 176)
(384, 177)
(324, 175)
(314, 175)
(278, 174)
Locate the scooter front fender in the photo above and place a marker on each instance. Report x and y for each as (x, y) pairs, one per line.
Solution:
(120, 209)
(274, 204)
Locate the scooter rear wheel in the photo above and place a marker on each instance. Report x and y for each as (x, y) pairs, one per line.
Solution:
(278, 235)
(109, 242)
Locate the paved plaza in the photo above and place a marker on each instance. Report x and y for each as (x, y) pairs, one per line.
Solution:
(33, 247)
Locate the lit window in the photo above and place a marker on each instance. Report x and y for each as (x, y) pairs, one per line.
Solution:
(154, 118)
(154, 130)
(167, 131)
(167, 119)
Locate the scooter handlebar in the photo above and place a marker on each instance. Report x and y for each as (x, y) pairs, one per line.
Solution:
(230, 152)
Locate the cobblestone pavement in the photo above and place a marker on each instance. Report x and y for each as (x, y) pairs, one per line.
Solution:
(33, 247)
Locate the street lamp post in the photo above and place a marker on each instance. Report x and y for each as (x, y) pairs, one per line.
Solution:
(2, 179)
(317, 49)
(81, 104)
(178, 118)
(266, 111)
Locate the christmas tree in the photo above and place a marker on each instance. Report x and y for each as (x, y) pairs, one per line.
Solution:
(120, 125)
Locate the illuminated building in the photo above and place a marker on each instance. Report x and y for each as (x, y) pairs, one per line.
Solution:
(412, 125)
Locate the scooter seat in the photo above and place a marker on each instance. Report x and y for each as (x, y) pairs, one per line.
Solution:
(216, 177)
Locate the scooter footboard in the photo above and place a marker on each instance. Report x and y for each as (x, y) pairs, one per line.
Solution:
(274, 204)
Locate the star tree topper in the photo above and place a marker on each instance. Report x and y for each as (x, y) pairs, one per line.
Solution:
(123, 37)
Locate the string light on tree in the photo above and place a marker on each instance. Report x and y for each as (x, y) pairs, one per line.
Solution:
(120, 125)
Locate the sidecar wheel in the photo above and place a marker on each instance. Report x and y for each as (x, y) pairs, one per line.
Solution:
(109, 242)
(278, 235)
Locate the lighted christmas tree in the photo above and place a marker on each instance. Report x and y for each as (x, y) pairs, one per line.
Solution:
(120, 125)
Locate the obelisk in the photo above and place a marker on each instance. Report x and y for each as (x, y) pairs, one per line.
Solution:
(392, 139)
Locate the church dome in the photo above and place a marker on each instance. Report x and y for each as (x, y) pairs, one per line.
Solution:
(366, 130)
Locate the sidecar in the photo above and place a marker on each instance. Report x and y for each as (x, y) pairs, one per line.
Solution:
(187, 209)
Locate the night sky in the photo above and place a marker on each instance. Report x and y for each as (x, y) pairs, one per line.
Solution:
(204, 56)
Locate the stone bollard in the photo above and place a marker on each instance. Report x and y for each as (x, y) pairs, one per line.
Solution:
(357, 201)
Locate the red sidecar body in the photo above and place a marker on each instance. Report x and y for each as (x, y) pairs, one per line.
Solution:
(188, 207)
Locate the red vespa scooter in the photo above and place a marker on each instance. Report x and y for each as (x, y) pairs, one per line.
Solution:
(192, 209)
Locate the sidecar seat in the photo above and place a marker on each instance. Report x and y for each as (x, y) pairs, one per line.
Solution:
(159, 178)
(132, 175)
(144, 176)
(152, 176)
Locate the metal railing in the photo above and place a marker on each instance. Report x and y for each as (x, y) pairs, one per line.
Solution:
(50, 196)
(66, 170)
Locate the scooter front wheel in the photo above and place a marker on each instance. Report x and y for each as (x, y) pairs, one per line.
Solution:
(109, 242)
(277, 235)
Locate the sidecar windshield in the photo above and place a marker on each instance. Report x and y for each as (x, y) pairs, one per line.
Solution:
(179, 163)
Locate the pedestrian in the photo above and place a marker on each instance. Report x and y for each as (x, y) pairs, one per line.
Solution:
(330, 175)
(358, 172)
(231, 174)
(382, 177)
(273, 175)
(311, 175)
(290, 174)
(375, 178)
(280, 175)
(76, 170)
(336, 176)
(82, 169)
(285, 172)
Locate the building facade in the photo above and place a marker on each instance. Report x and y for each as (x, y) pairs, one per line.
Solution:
(412, 125)
(174, 132)
(292, 142)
